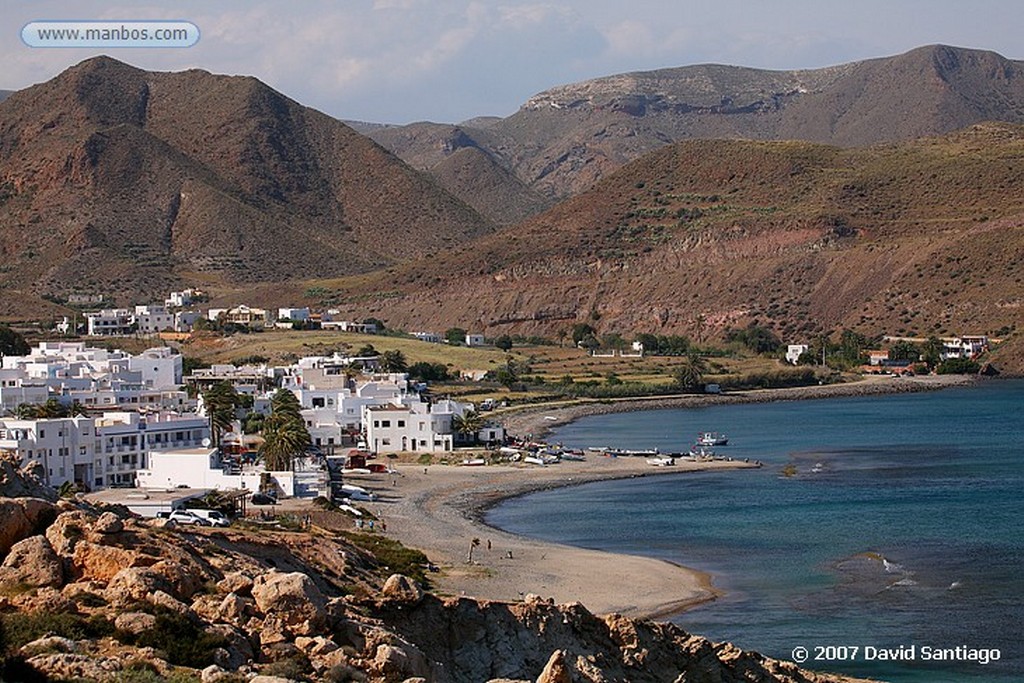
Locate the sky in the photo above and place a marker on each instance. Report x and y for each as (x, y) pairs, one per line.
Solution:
(398, 61)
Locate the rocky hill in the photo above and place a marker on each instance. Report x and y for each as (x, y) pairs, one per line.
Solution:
(4, 94)
(564, 139)
(95, 594)
(925, 237)
(118, 181)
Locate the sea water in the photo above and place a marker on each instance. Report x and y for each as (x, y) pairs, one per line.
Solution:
(881, 533)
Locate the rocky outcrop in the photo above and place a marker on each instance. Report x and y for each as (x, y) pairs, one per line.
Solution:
(294, 599)
(32, 562)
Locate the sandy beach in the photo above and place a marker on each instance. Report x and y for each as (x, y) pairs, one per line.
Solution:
(439, 510)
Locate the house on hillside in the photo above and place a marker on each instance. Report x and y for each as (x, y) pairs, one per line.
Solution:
(794, 351)
(474, 340)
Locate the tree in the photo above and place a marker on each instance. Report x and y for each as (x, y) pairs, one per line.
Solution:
(689, 374)
(455, 336)
(932, 351)
(367, 351)
(283, 439)
(904, 350)
(284, 432)
(393, 361)
(429, 372)
(504, 342)
(219, 403)
(468, 425)
(613, 340)
(507, 375)
(580, 331)
(12, 343)
(756, 338)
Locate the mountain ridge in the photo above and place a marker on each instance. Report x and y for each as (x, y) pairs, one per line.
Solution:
(565, 138)
(119, 180)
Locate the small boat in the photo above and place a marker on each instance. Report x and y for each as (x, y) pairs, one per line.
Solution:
(818, 468)
(628, 453)
(573, 455)
(699, 452)
(473, 462)
(712, 439)
(661, 461)
(534, 460)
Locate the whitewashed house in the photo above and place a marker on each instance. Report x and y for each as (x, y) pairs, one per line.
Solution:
(794, 351)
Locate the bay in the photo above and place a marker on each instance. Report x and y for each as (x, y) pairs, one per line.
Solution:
(899, 525)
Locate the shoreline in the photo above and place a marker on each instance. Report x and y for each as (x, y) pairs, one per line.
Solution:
(441, 508)
(440, 512)
(539, 419)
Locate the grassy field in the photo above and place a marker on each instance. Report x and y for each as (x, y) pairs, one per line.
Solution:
(282, 346)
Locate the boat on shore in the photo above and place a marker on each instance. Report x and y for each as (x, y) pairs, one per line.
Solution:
(712, 439)
(661, 461)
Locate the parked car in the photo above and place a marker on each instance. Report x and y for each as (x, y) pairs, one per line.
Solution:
(187, 517)
(263, 499)
(214, 517)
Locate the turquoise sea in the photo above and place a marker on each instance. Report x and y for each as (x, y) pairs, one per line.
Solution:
(903, 526)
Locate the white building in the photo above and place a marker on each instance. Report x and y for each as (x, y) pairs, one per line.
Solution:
(474, 340)
(180, 299)
(431, 337)
(153, 318)
(97, 452)
(110, 322)
(293, 314)
(794, 351)
(963, 347)
(71, 371)
(205, 468)
(411, 427)
(349, 326)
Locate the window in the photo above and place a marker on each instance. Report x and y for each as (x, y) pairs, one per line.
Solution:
(385, 423)
(386, 442)
(401, 423)
(42, 433)
(318, 402)
(376, 424)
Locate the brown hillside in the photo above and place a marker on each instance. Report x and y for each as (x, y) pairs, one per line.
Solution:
(473, 176)
(564, 139)
(118, 181)
(923, 237)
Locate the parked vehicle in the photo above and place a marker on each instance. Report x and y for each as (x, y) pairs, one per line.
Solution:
(262, 499)
(187, 517)
(213, 517)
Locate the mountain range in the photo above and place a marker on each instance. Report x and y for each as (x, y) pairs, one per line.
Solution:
(564, 139)
(118, 181)
(583, 206)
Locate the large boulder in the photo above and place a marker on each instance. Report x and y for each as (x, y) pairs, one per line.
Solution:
(108, 523)
(32, 562)
(292, 597)
(96, 562)
(28, 481)
(21, 518)
(401, 589)
(556, 670)
(134, 584)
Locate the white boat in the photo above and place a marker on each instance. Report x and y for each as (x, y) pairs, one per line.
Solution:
(712, 439)
(473, 462)
(534, 460)
(661, 461)
(572, 455)
(701, 453)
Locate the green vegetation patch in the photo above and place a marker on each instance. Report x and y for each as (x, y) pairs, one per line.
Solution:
(393, 555)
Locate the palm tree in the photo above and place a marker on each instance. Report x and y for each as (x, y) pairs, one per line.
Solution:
(283, 439)
(219, 402)
(284, 432)
(690, 372)
(284, 402)
(468, 424)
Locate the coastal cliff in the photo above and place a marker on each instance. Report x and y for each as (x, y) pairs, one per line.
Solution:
(96, 594)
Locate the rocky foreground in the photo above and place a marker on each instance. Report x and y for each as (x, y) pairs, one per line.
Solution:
(90, 594)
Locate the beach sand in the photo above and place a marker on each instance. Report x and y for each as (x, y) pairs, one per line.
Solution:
(439, 512)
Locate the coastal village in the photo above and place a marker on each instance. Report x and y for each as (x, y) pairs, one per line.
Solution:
(101, 418)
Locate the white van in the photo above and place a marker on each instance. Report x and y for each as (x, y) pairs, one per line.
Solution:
(213, 517)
